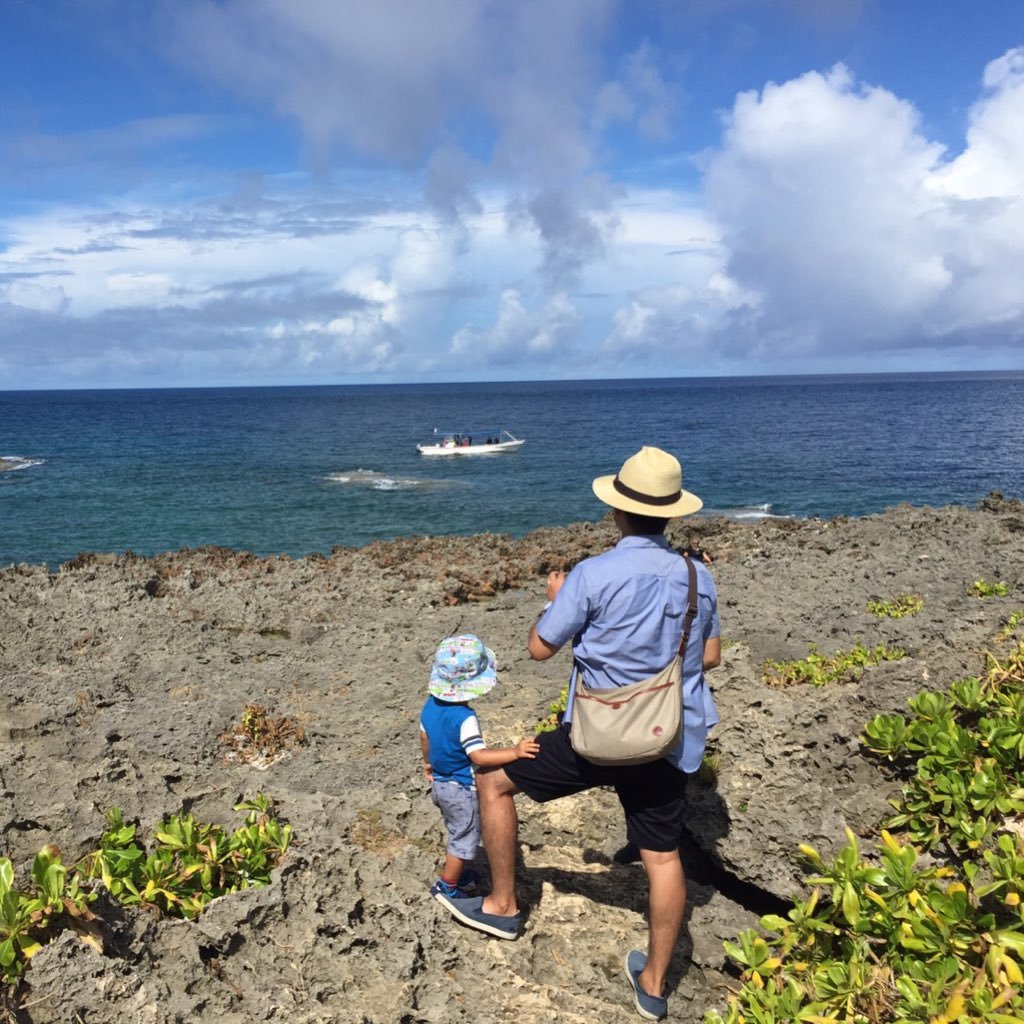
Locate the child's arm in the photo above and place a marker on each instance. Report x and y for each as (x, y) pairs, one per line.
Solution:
(425, 747)
(484, 758)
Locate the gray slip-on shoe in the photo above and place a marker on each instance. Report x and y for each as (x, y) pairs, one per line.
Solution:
(470, 911)
(651, 1007)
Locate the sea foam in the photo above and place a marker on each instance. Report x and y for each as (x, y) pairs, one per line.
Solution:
(18, 462)
(375, 481)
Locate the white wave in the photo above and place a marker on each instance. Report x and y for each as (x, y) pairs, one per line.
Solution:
(13, 462)
(374, 481)
(747, 513)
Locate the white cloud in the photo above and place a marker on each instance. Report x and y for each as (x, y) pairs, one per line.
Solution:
(639, 95)
(29, 295)
(401, 82)
(826, 193)
(152, 291)
(820, 191)
(137, 288)
(838, 229)
(829, 224)
(993, 162)
(520, 335)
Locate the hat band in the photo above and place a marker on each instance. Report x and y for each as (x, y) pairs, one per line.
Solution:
(647, 499)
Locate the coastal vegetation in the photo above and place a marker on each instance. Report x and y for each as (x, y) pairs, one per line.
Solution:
(188, 864)
(31, 918)
(1013, 622)
(820, 669)
(261, 737)
(928, 924)
(984, 589)
(556, 709)
(898, 607)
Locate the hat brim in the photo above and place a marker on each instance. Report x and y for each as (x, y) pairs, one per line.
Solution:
(686, 504)
(459, 691)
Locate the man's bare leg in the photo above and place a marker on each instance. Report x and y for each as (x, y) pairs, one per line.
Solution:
(499, 822)
(666, 904)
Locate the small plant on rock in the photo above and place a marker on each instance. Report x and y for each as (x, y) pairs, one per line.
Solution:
(191, 863)
(897, 608)
(819, 669)
(983, 589)
(30, 919)
(1013, 622)
(556, 709)
(259, 737)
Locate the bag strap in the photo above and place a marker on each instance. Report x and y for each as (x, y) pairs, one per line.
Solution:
(691, 614)
(691, 604)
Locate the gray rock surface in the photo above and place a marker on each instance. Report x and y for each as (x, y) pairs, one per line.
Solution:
(119, 676)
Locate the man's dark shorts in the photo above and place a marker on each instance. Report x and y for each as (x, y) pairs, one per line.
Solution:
(652, 795)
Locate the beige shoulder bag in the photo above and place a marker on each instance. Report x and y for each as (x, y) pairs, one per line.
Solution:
(637, 723)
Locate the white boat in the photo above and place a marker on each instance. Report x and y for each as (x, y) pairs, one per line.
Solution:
(480, 442)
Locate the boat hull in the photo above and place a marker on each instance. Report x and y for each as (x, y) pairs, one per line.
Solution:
(469, 449)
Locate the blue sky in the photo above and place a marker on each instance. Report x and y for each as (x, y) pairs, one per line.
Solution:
(321, 191)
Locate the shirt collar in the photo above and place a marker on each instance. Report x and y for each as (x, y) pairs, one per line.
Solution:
(657, 540)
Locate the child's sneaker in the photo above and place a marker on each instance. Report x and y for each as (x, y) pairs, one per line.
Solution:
(442, 888)
(468, 882)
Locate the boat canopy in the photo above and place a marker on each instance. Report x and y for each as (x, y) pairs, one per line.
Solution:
(471, 431)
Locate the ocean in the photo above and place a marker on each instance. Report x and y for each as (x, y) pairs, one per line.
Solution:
(298, 470)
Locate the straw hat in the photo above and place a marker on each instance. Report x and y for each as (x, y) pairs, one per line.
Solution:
(463, 669)
(650, 483)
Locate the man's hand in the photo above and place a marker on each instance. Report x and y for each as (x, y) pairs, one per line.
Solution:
(555, 581)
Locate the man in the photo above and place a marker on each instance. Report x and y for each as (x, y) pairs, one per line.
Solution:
(623, 610)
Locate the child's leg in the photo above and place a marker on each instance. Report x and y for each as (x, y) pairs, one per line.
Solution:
(453, 867)
(461, 814)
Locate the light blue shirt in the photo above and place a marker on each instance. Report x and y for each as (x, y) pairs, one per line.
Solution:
(623, 610)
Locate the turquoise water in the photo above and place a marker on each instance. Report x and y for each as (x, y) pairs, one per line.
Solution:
(299, 470)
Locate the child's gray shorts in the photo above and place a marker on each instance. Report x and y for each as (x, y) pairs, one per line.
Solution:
(461, 813)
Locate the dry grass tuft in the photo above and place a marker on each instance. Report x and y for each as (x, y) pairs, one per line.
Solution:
(260, 739)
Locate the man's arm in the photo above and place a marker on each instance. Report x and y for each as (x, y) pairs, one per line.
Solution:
(537, 647)
(712, 652)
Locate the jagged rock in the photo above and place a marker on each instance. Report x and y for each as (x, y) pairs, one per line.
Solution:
(120, 675)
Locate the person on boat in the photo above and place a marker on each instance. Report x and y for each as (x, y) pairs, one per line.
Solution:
(625, 591)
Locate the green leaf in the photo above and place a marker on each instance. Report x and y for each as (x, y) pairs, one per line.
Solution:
(851, 905)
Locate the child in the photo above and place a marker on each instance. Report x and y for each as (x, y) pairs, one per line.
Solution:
(452, 745)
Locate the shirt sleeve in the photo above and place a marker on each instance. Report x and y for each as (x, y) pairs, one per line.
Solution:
(568, 612)
(469, 735)
(713, 628)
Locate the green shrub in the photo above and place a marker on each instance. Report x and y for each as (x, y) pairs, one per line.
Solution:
(30, 919)
(1010, 627)
(887, 938)
(190, 863)
(961, 756)
(892, 936)
(819, 669)
(983, 589)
